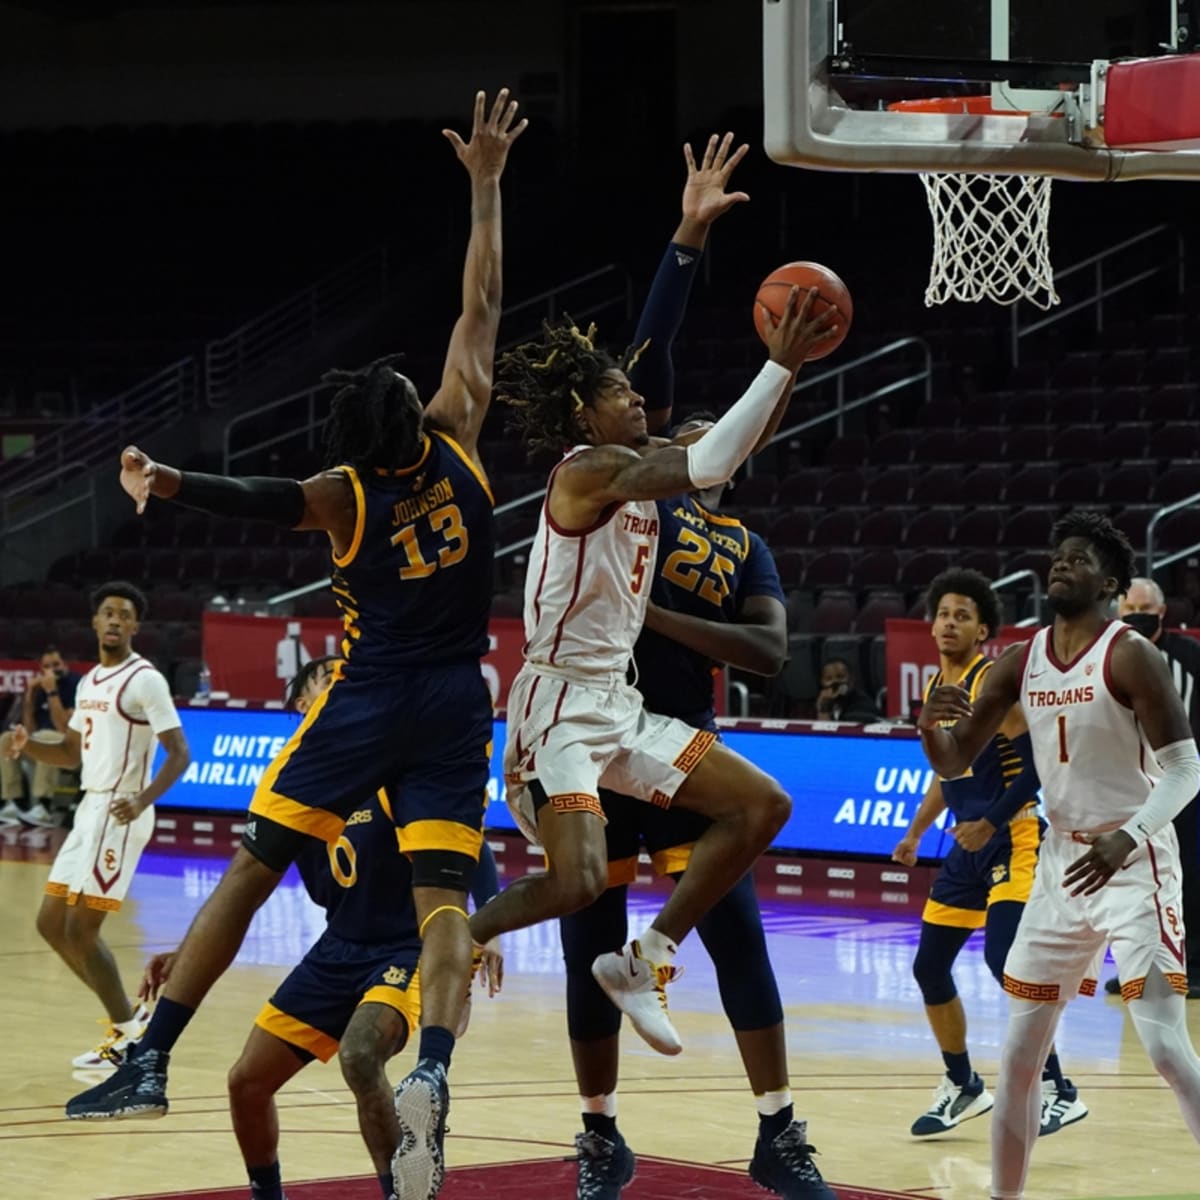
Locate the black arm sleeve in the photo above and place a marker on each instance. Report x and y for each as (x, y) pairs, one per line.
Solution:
(654, 374)
(255, 498)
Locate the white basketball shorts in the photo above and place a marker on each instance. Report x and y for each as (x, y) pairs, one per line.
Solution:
(1061, 939)
(575, 737)
(98, 859)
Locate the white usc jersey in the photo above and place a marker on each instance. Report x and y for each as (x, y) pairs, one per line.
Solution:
(119, 713)
(586, 592)
(1094, 763)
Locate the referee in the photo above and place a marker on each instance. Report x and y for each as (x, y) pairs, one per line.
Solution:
(1143, 607)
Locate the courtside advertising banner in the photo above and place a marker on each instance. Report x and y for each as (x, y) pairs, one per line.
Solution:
(854, 790)
(912, 659)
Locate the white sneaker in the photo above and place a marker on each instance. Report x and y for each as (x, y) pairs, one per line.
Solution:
(10, 814)
(637, 987)
(111, 1052)
(952, 1105)
(1060, 1109)
(39, 815)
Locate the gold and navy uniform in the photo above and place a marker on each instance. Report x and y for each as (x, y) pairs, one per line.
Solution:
(969, 881)
(708, 566)
(408, 709)
(370, 947)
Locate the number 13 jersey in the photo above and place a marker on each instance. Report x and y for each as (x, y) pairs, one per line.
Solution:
(1091, 754)
(415, 585)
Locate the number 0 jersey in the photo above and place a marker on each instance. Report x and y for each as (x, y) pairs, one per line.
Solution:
(1095, 766)
(707, 567)
(362, 881)
(586, 590)
(415, 586)
(970, 796)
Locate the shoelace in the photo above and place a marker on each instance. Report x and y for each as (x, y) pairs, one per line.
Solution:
(664, 974)
(795, 1152)
(595, 1155)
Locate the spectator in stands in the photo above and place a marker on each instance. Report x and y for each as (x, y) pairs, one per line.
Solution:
(47, 706)
(840, 698)
(1144, 607)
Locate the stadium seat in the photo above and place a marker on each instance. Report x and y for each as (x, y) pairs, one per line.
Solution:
(893, 448)
(828, 569)
(1077, 443)
(921, 568)
(791, 529)
(842, 487)
(1175, 439)
(1130, 483)
(1173, 402)
(801, 487)
(790, 565)
(883, 527)
(875, 569)
(931, 528)
(1026, 408)
(890, 487)
(986, 562)
(1031, 485)
(879, 608)
(1123, 368)
(987, 444)
(163, 566)
(1029, 444)
(1028, 527)
(1179, 531)
(984, 484)
(1126, 439)
(834, 612)
(1177, 482)
(848, 451)
(1168, 365)
(1074, 406)
(1123, 403)
(1078, 368)
(836, 528)
(1078, 486)
(756, 491)
(940, 446)
(979, 526)
(938, 485)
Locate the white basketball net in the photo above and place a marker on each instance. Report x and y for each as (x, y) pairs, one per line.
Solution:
(990, 239)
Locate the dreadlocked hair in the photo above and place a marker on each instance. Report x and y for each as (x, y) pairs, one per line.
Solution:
(547, 384)
(370, 424)
(1112, 547)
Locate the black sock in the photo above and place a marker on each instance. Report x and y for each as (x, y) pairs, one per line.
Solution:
(436, 1043)
(958, 1067)
(1053, 1071)
(166, 1026)
(265, 1182)
(605, 1126)
(770, 1127)
(387, 1186)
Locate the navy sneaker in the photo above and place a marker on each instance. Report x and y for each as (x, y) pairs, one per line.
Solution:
(603, 1167)
(1060, 1109)
(952, 1105)
(784, 1166)
(137, 1088)
(422, 1102)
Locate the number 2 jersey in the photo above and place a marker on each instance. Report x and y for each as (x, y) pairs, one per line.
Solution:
(415, 585)
(362, 881)
(707, 567)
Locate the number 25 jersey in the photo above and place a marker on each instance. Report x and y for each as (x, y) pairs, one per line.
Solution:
(415, 585)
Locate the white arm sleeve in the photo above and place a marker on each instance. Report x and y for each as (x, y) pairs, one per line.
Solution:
(1172, 793)
(715, 457)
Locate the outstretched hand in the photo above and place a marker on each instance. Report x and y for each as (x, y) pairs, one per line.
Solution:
(138, 472)
(704, 194)
(796, 334)
(492, 966)
(1107, 853)
(491, 136)
(157, 972)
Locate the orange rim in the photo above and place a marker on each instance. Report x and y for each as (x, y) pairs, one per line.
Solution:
(976, 106)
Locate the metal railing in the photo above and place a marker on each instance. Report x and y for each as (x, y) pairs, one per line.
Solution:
(250, 349)
(1103, 289)
(307, 430)
(99, 436)
(1152, 564)
(1037, 595)
(11, 504)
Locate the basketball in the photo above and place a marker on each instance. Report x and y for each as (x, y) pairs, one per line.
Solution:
(774, 290)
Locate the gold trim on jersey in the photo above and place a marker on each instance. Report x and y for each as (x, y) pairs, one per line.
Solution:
(57, 889)
(718, 519)
(673, 859)
(469, 463)
(288, 1029)
(936, 913)
(622, 871)
(400, 472)
(1026, 837)
(360, 517)
(407, 1003)
(439, 835)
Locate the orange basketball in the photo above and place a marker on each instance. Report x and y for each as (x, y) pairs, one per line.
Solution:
(774, 290)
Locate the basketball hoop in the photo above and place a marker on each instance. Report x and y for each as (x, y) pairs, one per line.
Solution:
(991, 233)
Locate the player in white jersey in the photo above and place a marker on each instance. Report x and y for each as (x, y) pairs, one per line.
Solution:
(575, 723)
(122, 706)
(1115, 754)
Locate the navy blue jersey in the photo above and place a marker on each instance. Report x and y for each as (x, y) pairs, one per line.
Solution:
(362, 881)
(415, 585)
(971, 795)
(708, 566)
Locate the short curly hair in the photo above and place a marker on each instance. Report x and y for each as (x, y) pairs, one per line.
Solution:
(123, 591)
(1112, 547)
(548, 382)
(962, 581)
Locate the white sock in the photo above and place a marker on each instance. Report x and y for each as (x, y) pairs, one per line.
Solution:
(606, 1105)
(769, 1103)
(657, 947)
(129, 1028)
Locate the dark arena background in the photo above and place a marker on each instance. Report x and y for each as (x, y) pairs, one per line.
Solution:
(205, 205)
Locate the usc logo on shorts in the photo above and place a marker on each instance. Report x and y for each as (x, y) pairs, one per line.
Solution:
(110, 861)
(1172, 918)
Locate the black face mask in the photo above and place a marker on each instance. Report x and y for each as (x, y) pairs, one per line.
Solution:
(1149, 625)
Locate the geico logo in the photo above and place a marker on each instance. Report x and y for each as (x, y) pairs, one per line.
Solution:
(839, 873)
(894, 897)
(893, 877)
(788, 869)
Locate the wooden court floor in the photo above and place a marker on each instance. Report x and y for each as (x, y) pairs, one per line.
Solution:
(863, 1066)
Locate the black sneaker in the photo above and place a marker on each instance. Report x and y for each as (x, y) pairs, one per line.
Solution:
(952, 1105)
(784, 1166)
(422, 1102)
(603, 1168)
(137, 1088)
(1060, 1109)
(1113, 986)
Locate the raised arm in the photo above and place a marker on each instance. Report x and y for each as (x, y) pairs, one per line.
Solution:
(704, 200)
(461, 402)
(604, 475)
(952, 750)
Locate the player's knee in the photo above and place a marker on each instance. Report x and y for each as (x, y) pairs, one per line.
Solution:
(770, 813)
(582, 880)
(243, 1083)
(50, 927)
(932, 973)
(79, 936)
(360, 1063)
